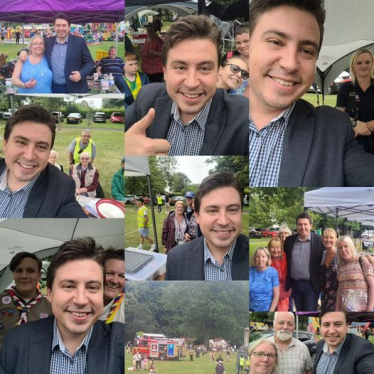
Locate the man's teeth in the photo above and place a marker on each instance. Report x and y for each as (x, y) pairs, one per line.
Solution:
(27, 166)
(284, 83)
(189, 96)
(79, 314)
(222, 232)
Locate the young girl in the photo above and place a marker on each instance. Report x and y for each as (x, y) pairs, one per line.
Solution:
(279, 262)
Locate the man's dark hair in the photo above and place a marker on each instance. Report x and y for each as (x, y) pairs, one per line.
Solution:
(33, 113)
(110, 48)
(316, 7)
(322, 313)
(76, 249)
(62, 15)
(191, 27)
(304, 216)
(112, 254)
(16, 260)
(243, 28)
(220, 179)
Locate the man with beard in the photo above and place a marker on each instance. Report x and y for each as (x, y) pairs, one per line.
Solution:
(293, 355)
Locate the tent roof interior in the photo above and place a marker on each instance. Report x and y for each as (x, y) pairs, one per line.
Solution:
(137, 166)
(83, 11)
(352, 203)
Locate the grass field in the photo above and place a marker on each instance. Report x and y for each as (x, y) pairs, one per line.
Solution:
(330, 100)
(202, 365)
(11, 49)
(109, 144)
(131, 228)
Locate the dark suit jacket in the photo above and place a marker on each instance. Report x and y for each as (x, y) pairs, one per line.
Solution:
(356, 356)
(78, 58)
(27, 349)
(226, 130)
(320, 150)
(53, 196)
(186, 261)
(316, 250)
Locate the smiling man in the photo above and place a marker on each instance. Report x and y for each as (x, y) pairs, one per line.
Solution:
(304, 255)
(338, 351)
(72, 340)
(291, 143)
(222, 253)
(30, 187)
(192, 116)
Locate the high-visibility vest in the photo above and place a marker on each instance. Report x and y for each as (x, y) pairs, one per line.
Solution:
(241, 361)
(142, 217)
(159, 200)
(88, 149)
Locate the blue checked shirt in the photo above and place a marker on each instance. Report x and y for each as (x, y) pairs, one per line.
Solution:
(187, 140)
(12, 204)
(327, 362)
(213, 270)
(265, 150)
(61, 360)
(58, 58)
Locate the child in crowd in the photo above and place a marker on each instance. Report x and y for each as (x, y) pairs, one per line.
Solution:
(134, 79)
(279, 262)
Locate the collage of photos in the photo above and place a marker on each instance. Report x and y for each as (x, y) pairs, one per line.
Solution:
(186, 187)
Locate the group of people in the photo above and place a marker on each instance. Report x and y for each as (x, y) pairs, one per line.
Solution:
(80, 319)
(140, 362)
(304, 267)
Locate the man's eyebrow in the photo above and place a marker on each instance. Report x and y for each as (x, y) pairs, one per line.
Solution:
(182, 62)
(288, 37)
(74, 281)
(218, 206)
(20, 137)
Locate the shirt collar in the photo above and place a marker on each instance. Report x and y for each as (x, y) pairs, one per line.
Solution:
(65, 41)
(208, 255)
(200, 118)
(284, 116)
(4, 183)
(337, 350)
(306, 240)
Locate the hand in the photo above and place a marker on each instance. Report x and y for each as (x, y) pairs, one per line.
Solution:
(31, 83)
(187, 237)
(23, 56)
(137, 143)
(361, 129)
(75, 76)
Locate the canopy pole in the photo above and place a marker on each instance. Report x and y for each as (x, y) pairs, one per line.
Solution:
(153, 212)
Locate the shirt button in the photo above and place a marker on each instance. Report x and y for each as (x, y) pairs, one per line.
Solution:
(222, 270)
(258, 135)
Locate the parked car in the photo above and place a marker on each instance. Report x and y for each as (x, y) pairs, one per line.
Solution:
(7, 114)
(129, 199)
(116, 117)
(342, 78)
(100, 117)
(308, 338)
(74, 118)
(255, 233)
(269, 232)
(58, 116)
(174, 199)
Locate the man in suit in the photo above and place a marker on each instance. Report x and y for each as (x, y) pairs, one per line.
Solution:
(190, 116)
(30, 187)
(74, 335)
(290, 142)
(304, 255)
(222, 253)
(340, 352)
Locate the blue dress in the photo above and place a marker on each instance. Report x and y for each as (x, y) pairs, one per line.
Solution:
(261, 285)
(41, 73)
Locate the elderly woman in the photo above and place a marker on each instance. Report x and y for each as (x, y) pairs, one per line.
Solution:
(284, 232)
(113, 261)
(263, 282)
(263, 357)
(23, 302)
(34, 75)
(356, 279)
(329, 271)
(174, 228)
(53, 156)
(232, 73)
(86, 176)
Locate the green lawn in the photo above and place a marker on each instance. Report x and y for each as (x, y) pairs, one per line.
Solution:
(131, 228)
(11, 49)
(109, 149)
(330, 100)
(202, 365)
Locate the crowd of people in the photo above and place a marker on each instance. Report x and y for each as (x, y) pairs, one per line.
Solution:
(296, 271)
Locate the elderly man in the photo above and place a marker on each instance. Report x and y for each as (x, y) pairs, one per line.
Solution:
(293, 355)
(30, 187)
(113, 65)
(340, 352)
(84, 143)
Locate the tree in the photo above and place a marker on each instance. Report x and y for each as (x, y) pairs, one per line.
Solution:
(179, 181)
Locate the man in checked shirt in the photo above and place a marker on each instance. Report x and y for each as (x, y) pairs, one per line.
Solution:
(73, 340)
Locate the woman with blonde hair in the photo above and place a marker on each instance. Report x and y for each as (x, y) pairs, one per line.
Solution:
(34, 75)
(357, 97)
(283, 232)
(263, 357)
(356, 279)
(263, 282)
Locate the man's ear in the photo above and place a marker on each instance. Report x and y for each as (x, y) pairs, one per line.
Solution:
(48, 294)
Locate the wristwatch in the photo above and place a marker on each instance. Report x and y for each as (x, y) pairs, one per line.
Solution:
(354, 122)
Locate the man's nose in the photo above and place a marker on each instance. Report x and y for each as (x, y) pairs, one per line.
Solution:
(29, 152)
(80, 297)
(290, 59)
(222, 218)
(191, 80)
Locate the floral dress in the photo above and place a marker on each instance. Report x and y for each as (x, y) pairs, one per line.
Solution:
(280, 264)
(329, 284)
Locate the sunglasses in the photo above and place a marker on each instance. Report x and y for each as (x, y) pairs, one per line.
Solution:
(236, 69)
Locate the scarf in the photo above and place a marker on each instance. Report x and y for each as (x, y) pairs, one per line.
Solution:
(114, 308)
(22, 306)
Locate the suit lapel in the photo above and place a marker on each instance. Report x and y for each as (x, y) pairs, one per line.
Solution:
(343, 353)
(98, 351)
(297, 146)
(195, 261)
(161, 124)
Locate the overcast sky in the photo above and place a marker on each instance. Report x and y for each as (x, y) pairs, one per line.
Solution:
(194, 167)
